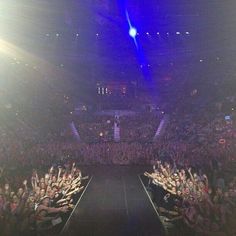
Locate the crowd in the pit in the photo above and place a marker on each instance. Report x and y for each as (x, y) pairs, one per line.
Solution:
(190, 141)
(139, 128)
(194, 201)
(38, 202)
(133, 128)
(95, 128)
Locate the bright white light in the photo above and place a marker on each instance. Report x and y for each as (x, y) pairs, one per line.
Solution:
(187, 33)
(77, 35)
(133, 32)
(158, 33)
(147, 33)
(57, 35)
(178, 33)
(97, 34)
(201, 60)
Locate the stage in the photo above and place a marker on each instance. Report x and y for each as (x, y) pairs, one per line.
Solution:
(114, 204)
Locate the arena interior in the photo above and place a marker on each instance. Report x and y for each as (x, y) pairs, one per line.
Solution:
(117, 118)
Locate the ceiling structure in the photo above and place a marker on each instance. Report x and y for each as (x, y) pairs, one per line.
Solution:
(92, 35)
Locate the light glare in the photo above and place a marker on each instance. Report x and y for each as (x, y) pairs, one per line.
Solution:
(133, 32)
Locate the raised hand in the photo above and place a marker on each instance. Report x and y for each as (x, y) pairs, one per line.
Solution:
(64, 209)
(6, 186)
(51, 170)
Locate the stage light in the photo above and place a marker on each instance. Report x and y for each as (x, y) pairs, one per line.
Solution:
(133, 32)
(57, 35)
(201, 60)
(147, 33)
(187, 33)
(158, 33)
(178, 33)
(77, 35)
(97, 34)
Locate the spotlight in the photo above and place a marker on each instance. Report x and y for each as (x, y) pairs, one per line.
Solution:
(57, 35)
(187, 33)
(133, 32)
(178, 33)
(201, 60)
(158, 33)
(77, 35)
(147, 33)
(97, 34)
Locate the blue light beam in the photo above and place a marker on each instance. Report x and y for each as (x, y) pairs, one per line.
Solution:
(132, 29)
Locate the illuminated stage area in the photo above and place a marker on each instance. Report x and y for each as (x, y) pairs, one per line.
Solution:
(117, 118)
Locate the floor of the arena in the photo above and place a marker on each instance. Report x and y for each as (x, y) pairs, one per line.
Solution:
(114, 204)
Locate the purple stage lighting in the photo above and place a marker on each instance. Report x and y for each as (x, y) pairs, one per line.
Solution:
(133, 32)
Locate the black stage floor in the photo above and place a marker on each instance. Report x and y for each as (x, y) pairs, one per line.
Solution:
(114, 204)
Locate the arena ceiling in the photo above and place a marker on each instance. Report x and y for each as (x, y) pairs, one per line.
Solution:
(94, 33)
